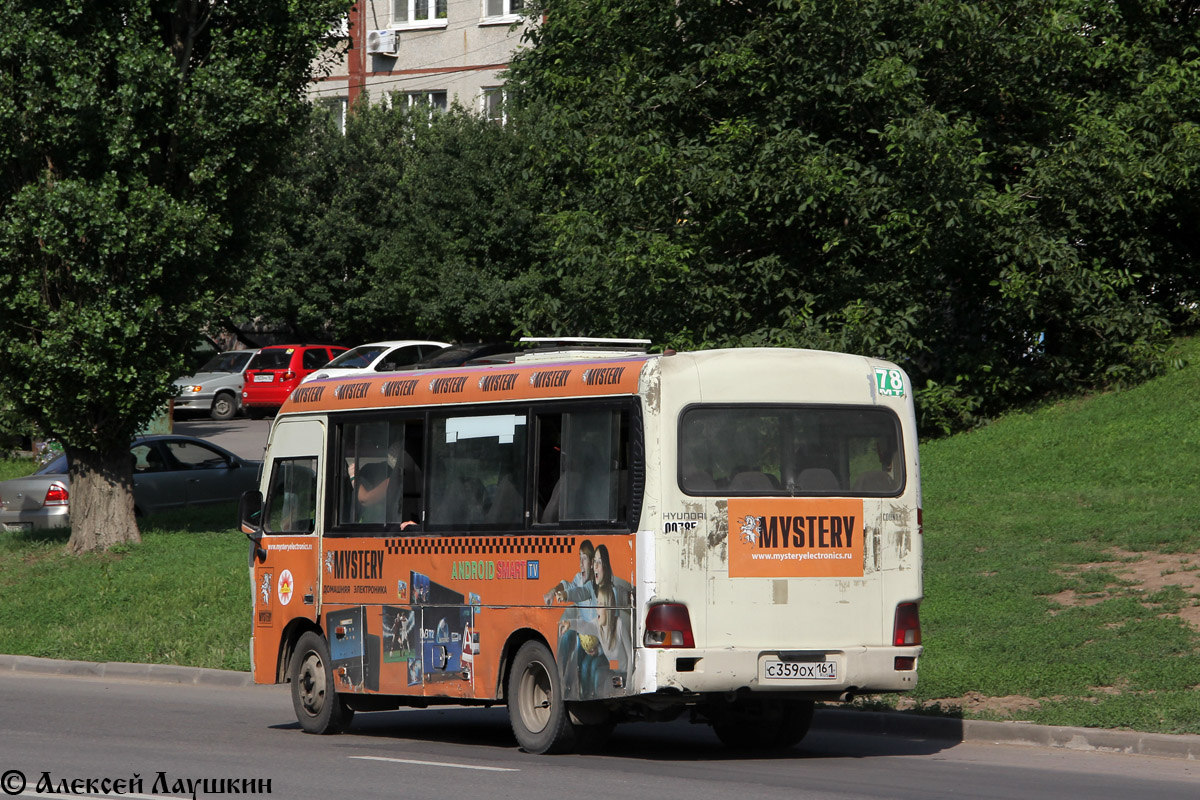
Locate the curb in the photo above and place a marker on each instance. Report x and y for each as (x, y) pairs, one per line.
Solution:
(162, 673)
(916, 726)
(871, 723)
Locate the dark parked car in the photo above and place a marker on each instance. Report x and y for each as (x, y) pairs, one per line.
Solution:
(277, 370)
(168, 472)
(457, 355)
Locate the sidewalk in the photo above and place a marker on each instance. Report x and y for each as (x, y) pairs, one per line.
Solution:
(906, 726)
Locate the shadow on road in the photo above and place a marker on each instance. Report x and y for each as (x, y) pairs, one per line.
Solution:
(678, 741)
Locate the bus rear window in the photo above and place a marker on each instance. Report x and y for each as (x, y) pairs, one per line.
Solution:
(790, 451)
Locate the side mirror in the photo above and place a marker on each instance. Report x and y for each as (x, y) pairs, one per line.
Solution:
(250, 519)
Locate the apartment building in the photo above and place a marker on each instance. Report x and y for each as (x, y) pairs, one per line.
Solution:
(434, 52)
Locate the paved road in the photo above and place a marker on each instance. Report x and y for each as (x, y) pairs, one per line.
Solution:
(97, 728)
(246, 437)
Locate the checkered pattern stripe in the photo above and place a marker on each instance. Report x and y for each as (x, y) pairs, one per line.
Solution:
(480, 545)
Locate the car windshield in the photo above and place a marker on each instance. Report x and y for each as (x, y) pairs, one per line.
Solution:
(272, 359)
(358, 358)
(226, 362)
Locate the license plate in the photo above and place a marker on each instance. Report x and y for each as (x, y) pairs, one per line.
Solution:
(17, 527)
(775, 670)
(263, 378)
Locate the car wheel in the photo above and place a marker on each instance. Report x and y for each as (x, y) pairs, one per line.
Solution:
(319, 708)
(256, 413)
(223, 407)
(536, 708)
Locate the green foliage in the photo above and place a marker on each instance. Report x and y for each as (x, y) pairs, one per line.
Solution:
(409, 225)
(133, 138)
(998, 197)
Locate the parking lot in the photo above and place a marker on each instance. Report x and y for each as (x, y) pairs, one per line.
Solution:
(246, 437)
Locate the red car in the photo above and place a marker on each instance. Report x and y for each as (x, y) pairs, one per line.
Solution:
(277, 369)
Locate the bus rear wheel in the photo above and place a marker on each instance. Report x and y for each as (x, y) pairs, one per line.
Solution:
(536, 708)
(759, 724)
(319, 709)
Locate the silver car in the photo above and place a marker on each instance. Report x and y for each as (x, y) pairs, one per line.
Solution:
(217, 388)
(169, 472)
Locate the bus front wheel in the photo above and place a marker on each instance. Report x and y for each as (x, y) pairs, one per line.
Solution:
(319, 708)
(536, 708)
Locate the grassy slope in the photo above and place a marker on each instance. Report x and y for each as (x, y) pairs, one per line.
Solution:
(181, 597)
(1012, 511)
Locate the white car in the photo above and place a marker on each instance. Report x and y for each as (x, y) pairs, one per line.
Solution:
(377, 357)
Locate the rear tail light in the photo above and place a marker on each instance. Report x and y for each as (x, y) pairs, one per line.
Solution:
(908, 626)
(668, 625)
(56, 495)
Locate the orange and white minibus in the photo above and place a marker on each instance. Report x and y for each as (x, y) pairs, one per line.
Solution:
(590, 535)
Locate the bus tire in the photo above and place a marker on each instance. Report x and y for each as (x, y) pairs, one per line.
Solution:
(319, 708)
(762, 724)
(536, 708)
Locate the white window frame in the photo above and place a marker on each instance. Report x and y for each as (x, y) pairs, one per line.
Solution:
(485, 94)
(404, 14)
(412, 99)
(507, 17)
(337, 107)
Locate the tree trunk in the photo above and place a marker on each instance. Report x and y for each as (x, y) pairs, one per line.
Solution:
(101, 500)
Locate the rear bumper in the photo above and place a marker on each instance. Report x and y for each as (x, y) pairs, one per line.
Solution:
(37, 519)
(265, 398)
(860, 670)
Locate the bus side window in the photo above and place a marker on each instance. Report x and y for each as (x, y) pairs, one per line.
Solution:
(380, 479)
(580, 459)
(477, 471)
(292, 496)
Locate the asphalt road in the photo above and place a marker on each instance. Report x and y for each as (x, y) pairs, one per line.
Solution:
(76, 729)
(246, 437)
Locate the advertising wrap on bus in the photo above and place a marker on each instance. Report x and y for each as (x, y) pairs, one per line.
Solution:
(591, 539)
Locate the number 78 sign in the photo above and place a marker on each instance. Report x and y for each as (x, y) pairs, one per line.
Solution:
(889, 382)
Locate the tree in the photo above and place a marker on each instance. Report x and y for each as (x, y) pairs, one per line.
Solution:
(408, 225)
(1000, 197)
(134, 137)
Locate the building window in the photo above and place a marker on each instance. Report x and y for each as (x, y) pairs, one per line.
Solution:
(495, 105)
(418, 13)
(336, 108)
(501, 10)
(428, 102)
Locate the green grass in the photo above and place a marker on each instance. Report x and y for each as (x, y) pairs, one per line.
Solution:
(181, 597)
(1014, 510)
(1014, 513)
(15, 468)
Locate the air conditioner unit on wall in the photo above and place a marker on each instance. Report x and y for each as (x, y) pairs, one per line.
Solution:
(382, 43)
